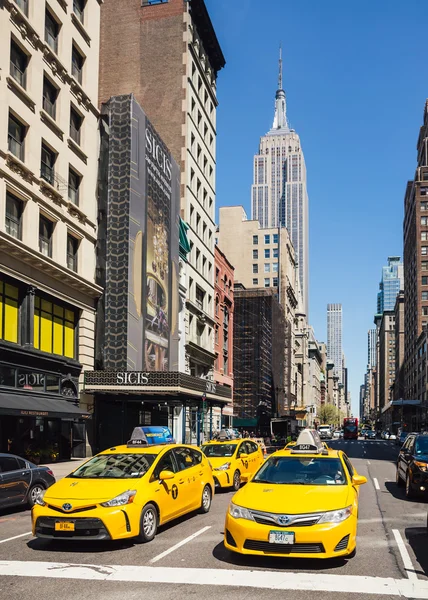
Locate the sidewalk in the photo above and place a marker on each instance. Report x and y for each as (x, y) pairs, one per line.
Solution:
(63, 468)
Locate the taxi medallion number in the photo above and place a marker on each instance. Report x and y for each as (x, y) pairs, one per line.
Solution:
(281, 537)
(64, 526)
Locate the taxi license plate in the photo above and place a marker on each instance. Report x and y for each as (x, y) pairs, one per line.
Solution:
(64, 526)
(281, 537)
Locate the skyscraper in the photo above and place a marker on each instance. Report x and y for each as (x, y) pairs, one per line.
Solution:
(278, 195)
(334, 338)
(371, 348)
(391, 283)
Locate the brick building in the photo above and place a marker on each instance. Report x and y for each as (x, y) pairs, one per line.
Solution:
(166, 53)
(223, 340)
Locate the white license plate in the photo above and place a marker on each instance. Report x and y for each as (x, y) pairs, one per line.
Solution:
(281, 537)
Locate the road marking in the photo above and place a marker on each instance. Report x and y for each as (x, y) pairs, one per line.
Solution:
(15, 537)
(376, 483)
(404, 519)
(274, 580)
(407, 561)
(188, 539)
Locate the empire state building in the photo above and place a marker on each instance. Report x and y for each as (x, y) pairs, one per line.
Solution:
(279, 196)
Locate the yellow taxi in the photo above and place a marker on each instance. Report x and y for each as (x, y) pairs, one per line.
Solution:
(233, 460)
(303, 502)
(125, 492)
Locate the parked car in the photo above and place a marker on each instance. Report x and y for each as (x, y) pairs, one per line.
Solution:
(21, 481)
(412, 464)
(370, 435)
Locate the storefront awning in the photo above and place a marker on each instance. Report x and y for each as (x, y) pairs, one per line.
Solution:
(29, 405)
(237, 422)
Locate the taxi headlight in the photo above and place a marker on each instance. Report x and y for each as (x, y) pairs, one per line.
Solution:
(336, 516)
(223, 467)
(39, 498)
(421, 465)
(239, 512)
(125, 498)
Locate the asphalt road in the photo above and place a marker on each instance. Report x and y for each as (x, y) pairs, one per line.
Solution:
(187, 558)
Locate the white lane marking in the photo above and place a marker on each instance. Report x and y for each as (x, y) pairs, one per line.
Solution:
(376, 483)
(407, 561)
(15, 537)
(274, 580)
(188, 539)
(405, 519)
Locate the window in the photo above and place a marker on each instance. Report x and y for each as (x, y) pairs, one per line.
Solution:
(424, 265)
(424, 220)
(275, 267)
(16, 137)
(423, 191)
(23, 5)
(424, 280)
(185, 458)
(424, 236)
(13, 216)
(267, 268)
(50, 94)
(18, 64)
(425, 311)
(200, 295)
(9, 312)
(275, 282)
(78, 9)
(45, 236)
(267, 253)
(8, 464)
(217, 306)
(74, 181)
(47, 164)
(275, 238)
(72, 247)
(275, 253)
(77, 61)
(166, 463)
(255, 254)
(425, 176)
(255, 240)
(267, 239)
(424, 250)
(217, 272)
(424, 295)
(255, 268)
(51, 32)
(424, 205)
(255, 282)
(267, 282)
(54, 328)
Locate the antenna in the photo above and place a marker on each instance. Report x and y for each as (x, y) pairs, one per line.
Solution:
(280, 68)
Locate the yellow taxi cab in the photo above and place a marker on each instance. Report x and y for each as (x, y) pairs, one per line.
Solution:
(125, 492)
(302, 502)
(233, 460)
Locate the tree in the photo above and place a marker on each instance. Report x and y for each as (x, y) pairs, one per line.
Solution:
(328, 414)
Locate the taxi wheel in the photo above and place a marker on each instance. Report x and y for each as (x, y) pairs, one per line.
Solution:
(206, 500)
(148, 524)
(236, 480)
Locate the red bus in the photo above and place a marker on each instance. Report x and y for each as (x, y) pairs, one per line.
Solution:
(350, 429)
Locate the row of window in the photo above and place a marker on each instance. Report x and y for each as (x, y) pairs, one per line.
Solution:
(201, 159)
(78, 8)
(201, 193)
(201, 228)
(14, 216)
(268, 237)
(16, 145)
(268, 253)
(267, 282)
(267, 268)
(54, 323)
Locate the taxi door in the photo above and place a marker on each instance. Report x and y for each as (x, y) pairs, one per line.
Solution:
(166, 493)
(351, 473)
(244, 462)
(188, 478)
(257, 457)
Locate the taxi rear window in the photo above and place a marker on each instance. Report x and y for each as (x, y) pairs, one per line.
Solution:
(301, 470)
(219, 450)
(115, 466)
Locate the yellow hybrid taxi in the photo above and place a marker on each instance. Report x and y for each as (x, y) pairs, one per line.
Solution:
(125, 492)
(303, 502)
(233, 460)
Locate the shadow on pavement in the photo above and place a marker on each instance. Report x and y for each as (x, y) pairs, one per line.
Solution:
(417, 537)
(22, 510)
(399, 493)
(277, 563)
(367, 449)
(70, 546)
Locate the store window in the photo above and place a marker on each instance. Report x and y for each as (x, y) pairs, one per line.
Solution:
(54, 328)
(9, 312)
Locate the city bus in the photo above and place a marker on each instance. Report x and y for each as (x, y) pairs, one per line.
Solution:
(350, 429)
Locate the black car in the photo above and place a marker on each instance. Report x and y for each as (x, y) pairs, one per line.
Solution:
(412, 464)
(21, 481)
(370, 435)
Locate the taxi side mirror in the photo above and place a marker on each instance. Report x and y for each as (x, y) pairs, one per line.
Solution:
(244, 455)
(359, 480)
(164, 475)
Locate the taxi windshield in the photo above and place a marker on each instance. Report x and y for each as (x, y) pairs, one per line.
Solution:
(115, 466)
(422, 445)
(293, 470)
(219, 450)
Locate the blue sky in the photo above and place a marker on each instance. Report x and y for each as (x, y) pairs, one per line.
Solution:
(355, 75)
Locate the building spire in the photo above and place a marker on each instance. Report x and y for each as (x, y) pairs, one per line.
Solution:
(280, 119)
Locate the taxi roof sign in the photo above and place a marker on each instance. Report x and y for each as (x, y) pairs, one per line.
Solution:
(150, 435)
(309, 442)
(138, 438)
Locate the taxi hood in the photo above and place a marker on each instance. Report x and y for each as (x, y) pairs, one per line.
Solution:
(99, 490)
(294, 499)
